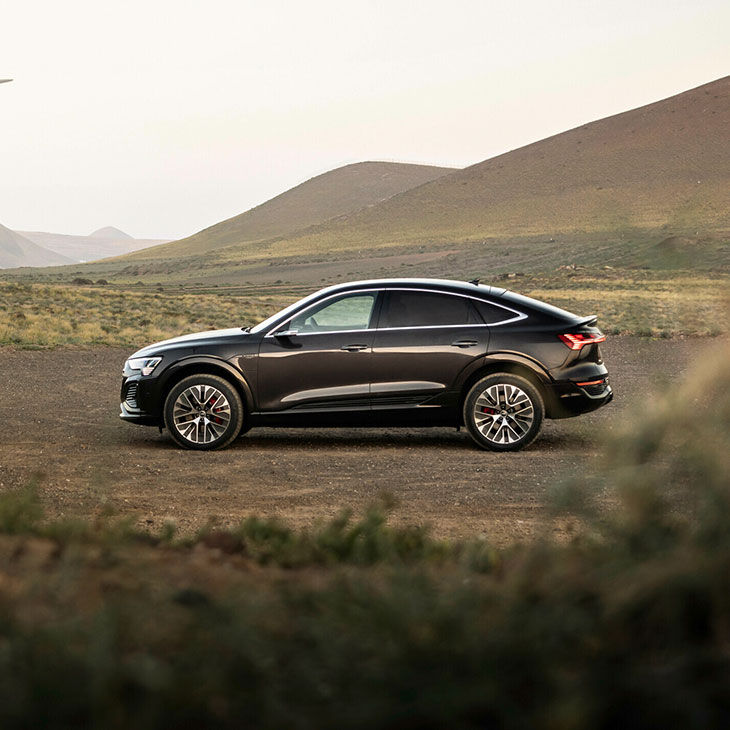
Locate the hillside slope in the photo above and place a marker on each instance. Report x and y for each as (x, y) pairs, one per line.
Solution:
(644, 188)
(337, 192)
(664, 164)
(16, 250)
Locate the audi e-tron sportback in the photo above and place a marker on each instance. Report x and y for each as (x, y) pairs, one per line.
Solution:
(410, 352)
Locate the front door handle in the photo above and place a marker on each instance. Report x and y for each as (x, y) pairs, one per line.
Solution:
(354, 348)
(464, 343)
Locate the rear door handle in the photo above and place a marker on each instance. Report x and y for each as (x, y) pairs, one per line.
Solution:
(354, 348)
(464, 343)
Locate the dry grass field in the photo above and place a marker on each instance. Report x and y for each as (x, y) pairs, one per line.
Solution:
(47, 316)
(640, 303)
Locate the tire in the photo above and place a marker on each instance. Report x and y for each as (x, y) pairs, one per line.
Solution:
(203, 412)
(503, 412)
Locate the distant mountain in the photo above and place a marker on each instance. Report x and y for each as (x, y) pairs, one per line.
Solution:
(90, 248)
(16, 250)
(112, 233)
(334, 193)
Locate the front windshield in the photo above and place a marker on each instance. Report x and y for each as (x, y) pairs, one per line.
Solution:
(261, 326)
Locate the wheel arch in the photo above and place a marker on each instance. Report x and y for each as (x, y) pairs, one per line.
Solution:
(515, 365)
(208, 366)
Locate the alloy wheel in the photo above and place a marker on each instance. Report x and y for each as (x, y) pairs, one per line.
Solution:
(503, 413)
(201, 414)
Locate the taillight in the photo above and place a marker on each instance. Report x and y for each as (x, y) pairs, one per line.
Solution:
(577, 340)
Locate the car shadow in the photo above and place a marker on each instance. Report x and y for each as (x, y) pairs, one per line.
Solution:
(270, 439)
(276, 439)
(443, 438)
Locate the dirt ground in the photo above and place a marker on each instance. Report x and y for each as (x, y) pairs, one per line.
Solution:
(58, 418)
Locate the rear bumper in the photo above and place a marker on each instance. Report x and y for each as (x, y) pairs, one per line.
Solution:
(570, 399)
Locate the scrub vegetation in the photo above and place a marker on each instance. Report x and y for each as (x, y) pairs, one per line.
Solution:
(640, 303)
(46, 316)
(627, 302)
(357, 624)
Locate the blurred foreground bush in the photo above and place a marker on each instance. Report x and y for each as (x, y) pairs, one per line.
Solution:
(357, 624)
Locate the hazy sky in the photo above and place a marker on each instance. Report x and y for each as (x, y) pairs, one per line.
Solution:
(162, 117)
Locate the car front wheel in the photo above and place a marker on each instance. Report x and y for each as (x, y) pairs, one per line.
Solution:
(503, 412)
(203, 412)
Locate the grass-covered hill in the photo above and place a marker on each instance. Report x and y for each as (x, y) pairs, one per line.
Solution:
(334, 193)
(664, 164)
(645, 188)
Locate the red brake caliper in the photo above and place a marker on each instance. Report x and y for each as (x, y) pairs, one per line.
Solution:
(215, 410)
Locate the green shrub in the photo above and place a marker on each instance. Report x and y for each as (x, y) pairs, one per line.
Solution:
(20, 511)
(367, 541)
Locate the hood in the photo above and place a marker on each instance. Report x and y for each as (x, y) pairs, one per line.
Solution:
(202, 338)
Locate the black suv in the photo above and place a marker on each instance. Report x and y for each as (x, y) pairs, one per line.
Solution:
(410, 352)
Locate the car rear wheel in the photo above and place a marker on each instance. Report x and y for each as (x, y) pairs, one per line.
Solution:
(503, 412)
(203, 412)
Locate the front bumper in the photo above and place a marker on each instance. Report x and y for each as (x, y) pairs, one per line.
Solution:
(138, 417)
(132, 400)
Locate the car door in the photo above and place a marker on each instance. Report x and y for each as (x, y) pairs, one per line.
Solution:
(320, 359)
(423, 342)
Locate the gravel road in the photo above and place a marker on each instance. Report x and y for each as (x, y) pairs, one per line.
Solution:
(58, 419)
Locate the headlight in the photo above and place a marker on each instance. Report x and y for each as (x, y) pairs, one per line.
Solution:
(144, 364)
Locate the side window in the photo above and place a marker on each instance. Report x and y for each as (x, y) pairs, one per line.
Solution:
(348, 313)
(424, 309)
(491, 313)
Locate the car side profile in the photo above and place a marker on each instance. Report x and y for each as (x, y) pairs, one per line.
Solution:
(406, 352)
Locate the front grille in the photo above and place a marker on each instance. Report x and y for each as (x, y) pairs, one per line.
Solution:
(131, 396)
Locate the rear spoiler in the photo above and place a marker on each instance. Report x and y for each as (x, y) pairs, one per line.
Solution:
(590, 321)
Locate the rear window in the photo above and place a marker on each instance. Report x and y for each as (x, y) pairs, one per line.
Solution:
(491, 313)
(511, 297)
(424, 309)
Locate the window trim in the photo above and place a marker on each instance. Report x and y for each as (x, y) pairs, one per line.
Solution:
(382, 290)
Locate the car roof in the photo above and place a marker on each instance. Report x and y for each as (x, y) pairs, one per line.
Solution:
(444, 285)
(523, 303)
(461, 287)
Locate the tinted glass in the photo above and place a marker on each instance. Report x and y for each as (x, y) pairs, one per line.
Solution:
(492, 313)
(348, 313)
(423, 309)
(512, 298)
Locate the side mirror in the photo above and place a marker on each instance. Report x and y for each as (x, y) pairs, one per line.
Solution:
(286, 333)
